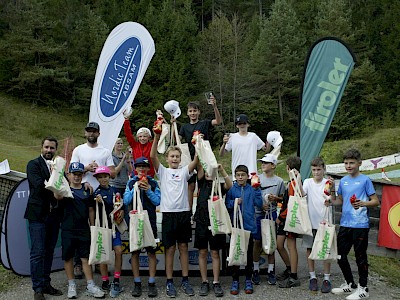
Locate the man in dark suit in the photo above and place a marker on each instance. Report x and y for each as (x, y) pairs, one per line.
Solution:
(44, 216)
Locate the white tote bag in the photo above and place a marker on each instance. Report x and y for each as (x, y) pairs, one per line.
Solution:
(165, 137)
(220, 222)
(206, 156)
(268, 234)
(239, 239)
(297, 219)
(325, 243)
(185, 157)
(57, 182)
(101, 251)
(140, 231)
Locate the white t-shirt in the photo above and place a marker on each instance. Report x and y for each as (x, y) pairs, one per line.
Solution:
(315, 200)
(86, 155)
(174, 189)
(244, 150)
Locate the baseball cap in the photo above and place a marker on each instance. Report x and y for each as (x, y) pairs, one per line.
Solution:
(143, 130)
(102, 170)
(274, 138)
(269, 158)
(142, 161)
(93, 125)
(76, 167)
(172, 107)
(242, 118)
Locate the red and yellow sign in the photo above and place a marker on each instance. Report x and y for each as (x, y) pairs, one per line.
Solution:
(389, 225)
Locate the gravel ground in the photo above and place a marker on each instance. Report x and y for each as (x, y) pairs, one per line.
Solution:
(378, 288)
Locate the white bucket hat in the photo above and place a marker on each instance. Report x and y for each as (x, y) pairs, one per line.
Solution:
(274, 138)
(172, 107)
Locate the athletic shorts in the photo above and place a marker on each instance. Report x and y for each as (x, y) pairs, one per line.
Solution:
(117, 240)
(257, 236)
(280, 231)
(308, 240)
(203, 237)
(75, 243)
(176, 228)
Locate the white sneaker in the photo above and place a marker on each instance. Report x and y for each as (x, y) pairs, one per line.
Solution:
(94, 291)
(360, 293)
(343, 289)
(71, 291)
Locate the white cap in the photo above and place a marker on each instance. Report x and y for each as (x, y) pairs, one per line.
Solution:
(172, 107)
(269, 158)
(143, 130)
(274, 138)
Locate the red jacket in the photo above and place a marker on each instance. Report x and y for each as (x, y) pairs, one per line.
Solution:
(138, 149)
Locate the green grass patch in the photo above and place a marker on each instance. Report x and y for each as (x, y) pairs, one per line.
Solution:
(389, 268)
(8, 279)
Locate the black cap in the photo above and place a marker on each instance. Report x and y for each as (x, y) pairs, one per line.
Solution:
(93, 125)
(242, 118)
(142, 161)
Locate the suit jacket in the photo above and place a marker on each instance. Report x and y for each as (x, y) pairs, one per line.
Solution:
(40, 199)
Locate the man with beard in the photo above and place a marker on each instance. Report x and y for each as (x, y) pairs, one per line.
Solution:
(91, 155)
(44, 216)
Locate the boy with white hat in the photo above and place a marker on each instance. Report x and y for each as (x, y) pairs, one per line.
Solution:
(272, 190)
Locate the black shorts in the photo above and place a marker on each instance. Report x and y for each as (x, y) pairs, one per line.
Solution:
(72, 242)
(280, 231)
(203, 237)
(176, 228)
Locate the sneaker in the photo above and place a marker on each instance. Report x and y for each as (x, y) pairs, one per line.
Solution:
(171, 290)
(343, 289)
(284, 275)
(187, 288)
(152, 292)
(94, 291)
(235, 287)
(289, 283)
(105, 285)
(71, 291)
(137, 289)
(256, 278)
(313, 285)
(115, 289)
(248, 289)
(218, 291)
(78, 271)
(271, 278)
(204, 289)
(360, 293)
(326, 286)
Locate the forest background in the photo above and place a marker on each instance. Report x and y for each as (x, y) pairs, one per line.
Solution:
(249, 53)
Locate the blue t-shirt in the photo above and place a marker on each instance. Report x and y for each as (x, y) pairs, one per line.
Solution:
(362, 187)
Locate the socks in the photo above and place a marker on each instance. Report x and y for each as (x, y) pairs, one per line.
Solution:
(256, 265)
(327, 276)
(152, 280)
(185, 278)
(293, 275)
(312, 275)
(105, 278)
(90, 283)
(71, 282)
(137, 280)
(270, 267)
(171, 280)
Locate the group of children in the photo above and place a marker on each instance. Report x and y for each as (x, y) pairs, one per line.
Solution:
(173, 198)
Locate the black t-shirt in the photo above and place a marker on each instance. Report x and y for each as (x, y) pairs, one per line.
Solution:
(186, 131)
(76, 210)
